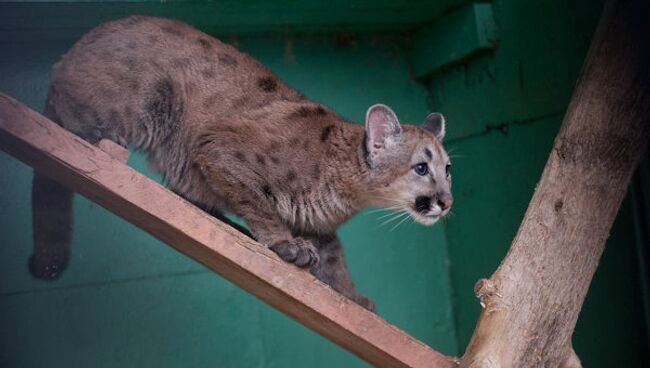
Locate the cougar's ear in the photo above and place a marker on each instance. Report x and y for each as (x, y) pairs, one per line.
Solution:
(382, 129)
(435, 123)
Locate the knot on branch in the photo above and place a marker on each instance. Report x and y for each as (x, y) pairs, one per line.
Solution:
(484, 290)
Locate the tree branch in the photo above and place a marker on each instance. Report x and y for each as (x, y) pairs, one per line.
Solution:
(531, 303)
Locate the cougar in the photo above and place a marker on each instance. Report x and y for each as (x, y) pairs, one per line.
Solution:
(227, 135)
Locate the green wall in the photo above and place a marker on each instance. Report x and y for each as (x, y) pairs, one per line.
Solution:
(129, 300)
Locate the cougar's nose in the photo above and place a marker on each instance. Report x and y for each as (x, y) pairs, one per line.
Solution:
(445, 200)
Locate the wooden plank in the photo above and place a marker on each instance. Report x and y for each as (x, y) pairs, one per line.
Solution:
(114, 150)
(92, 172)
(453, 38)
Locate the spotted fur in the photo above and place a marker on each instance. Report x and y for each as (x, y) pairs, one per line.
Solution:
(229, 136)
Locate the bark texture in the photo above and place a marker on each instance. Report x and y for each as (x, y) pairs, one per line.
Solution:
(531, 303)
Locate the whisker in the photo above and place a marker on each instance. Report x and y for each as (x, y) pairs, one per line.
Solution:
(375, 210)
(397, 216)
(451, 153)
(393, 210)
(399, 223)
(378, 211)
(393, 216)
(383, 209)
(384, 216)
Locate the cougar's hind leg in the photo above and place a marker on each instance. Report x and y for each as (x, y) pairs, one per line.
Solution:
(222, 217)
(216, 213)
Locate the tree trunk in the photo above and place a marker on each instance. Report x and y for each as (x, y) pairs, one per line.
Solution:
(531, 303)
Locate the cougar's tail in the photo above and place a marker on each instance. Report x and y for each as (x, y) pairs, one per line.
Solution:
(51, 221)
(52, 227)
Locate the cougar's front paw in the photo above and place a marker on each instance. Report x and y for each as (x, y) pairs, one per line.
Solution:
(298, 251)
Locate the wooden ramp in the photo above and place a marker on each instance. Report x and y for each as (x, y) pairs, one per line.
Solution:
(95, 174)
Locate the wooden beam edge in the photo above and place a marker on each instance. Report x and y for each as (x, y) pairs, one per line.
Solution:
(453, 39)
(55, 152)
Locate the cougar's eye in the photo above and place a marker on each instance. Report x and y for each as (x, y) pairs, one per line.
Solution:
(448, 170)
(421, 169)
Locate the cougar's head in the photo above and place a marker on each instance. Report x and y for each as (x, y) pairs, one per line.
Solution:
(409, 169)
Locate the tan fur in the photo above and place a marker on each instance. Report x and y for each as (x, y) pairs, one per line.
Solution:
(228, 135)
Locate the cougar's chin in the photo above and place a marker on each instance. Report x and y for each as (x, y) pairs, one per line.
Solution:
(424, 219)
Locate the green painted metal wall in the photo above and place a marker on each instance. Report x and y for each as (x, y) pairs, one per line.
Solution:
(128, 300)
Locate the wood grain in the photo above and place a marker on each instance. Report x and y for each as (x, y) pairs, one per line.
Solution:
(92, 172)
(114, 150)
